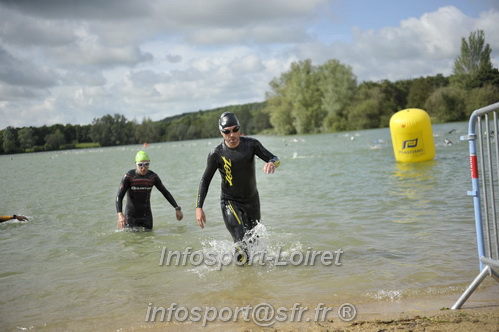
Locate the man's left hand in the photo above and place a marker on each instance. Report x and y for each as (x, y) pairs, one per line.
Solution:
(269, 168)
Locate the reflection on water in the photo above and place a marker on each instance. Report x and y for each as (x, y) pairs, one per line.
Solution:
(414, 171)
(411, 186)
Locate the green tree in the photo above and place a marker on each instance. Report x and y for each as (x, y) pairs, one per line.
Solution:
(338, 84)
(26, 138)
(279, 105)
(474, 61)
(180, 129)
(1, 142)
(209, 123)
(402, 87)
(40, 134)
(112, 130)
(306, 98)
(295, 102)
(368, 107)
(447, 105)
(419, 91)
(55, 140)
(69, 132)
(280, 115)
(421, 88)
(148, 131)
(10, 144)
(394, 99)
(259, 122)
(481, 97)
(83, 133)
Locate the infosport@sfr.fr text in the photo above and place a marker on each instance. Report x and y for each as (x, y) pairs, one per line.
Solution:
(262, 314)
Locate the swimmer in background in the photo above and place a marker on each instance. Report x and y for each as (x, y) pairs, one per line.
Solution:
(137, 184)
(7, 218)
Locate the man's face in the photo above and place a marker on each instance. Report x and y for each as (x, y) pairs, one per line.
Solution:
(142, 167)
(231, 136)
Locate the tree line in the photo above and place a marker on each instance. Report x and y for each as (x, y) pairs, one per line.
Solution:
(112, 130)
(306, 99)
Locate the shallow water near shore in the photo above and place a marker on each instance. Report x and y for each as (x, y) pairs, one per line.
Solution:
(390, 231)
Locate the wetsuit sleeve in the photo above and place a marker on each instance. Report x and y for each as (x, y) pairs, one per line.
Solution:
(266, 155)
(125, 181)
(211, 168)
(161, 187)
(5, 218)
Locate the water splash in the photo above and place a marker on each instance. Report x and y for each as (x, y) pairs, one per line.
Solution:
(391, 295)
(263, 249)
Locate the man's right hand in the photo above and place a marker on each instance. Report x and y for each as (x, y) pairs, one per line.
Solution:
(121, 220)
(201, 217)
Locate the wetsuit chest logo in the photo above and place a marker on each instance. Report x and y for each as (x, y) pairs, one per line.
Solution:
(228, 170)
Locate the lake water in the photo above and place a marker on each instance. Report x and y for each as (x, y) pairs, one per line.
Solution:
(394, 231)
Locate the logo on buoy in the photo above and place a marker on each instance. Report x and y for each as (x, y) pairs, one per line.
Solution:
(410, 143)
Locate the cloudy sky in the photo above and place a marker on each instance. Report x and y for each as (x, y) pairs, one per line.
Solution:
(72, 61)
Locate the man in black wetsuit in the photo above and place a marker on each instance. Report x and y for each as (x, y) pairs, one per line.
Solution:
(239, 200)
(138, 184)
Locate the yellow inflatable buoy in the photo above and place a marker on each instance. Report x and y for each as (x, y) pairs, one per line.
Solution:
(412, 136)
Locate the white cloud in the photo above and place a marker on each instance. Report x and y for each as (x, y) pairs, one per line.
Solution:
(418, 47)
(39, 31)
(439, 33)
(22, 72)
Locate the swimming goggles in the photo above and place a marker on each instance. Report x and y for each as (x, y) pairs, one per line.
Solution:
(228, 131)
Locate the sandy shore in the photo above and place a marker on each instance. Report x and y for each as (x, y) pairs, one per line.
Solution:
(476, 319)
(425, 313)
(481, 319)
(479, 313)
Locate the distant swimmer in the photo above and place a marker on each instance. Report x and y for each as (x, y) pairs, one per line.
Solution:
(234, 158)
(16, 217)
(137, 184)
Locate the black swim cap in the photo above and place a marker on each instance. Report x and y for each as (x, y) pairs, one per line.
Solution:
(227, 119)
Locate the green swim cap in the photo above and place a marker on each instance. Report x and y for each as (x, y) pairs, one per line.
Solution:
(141, 156)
